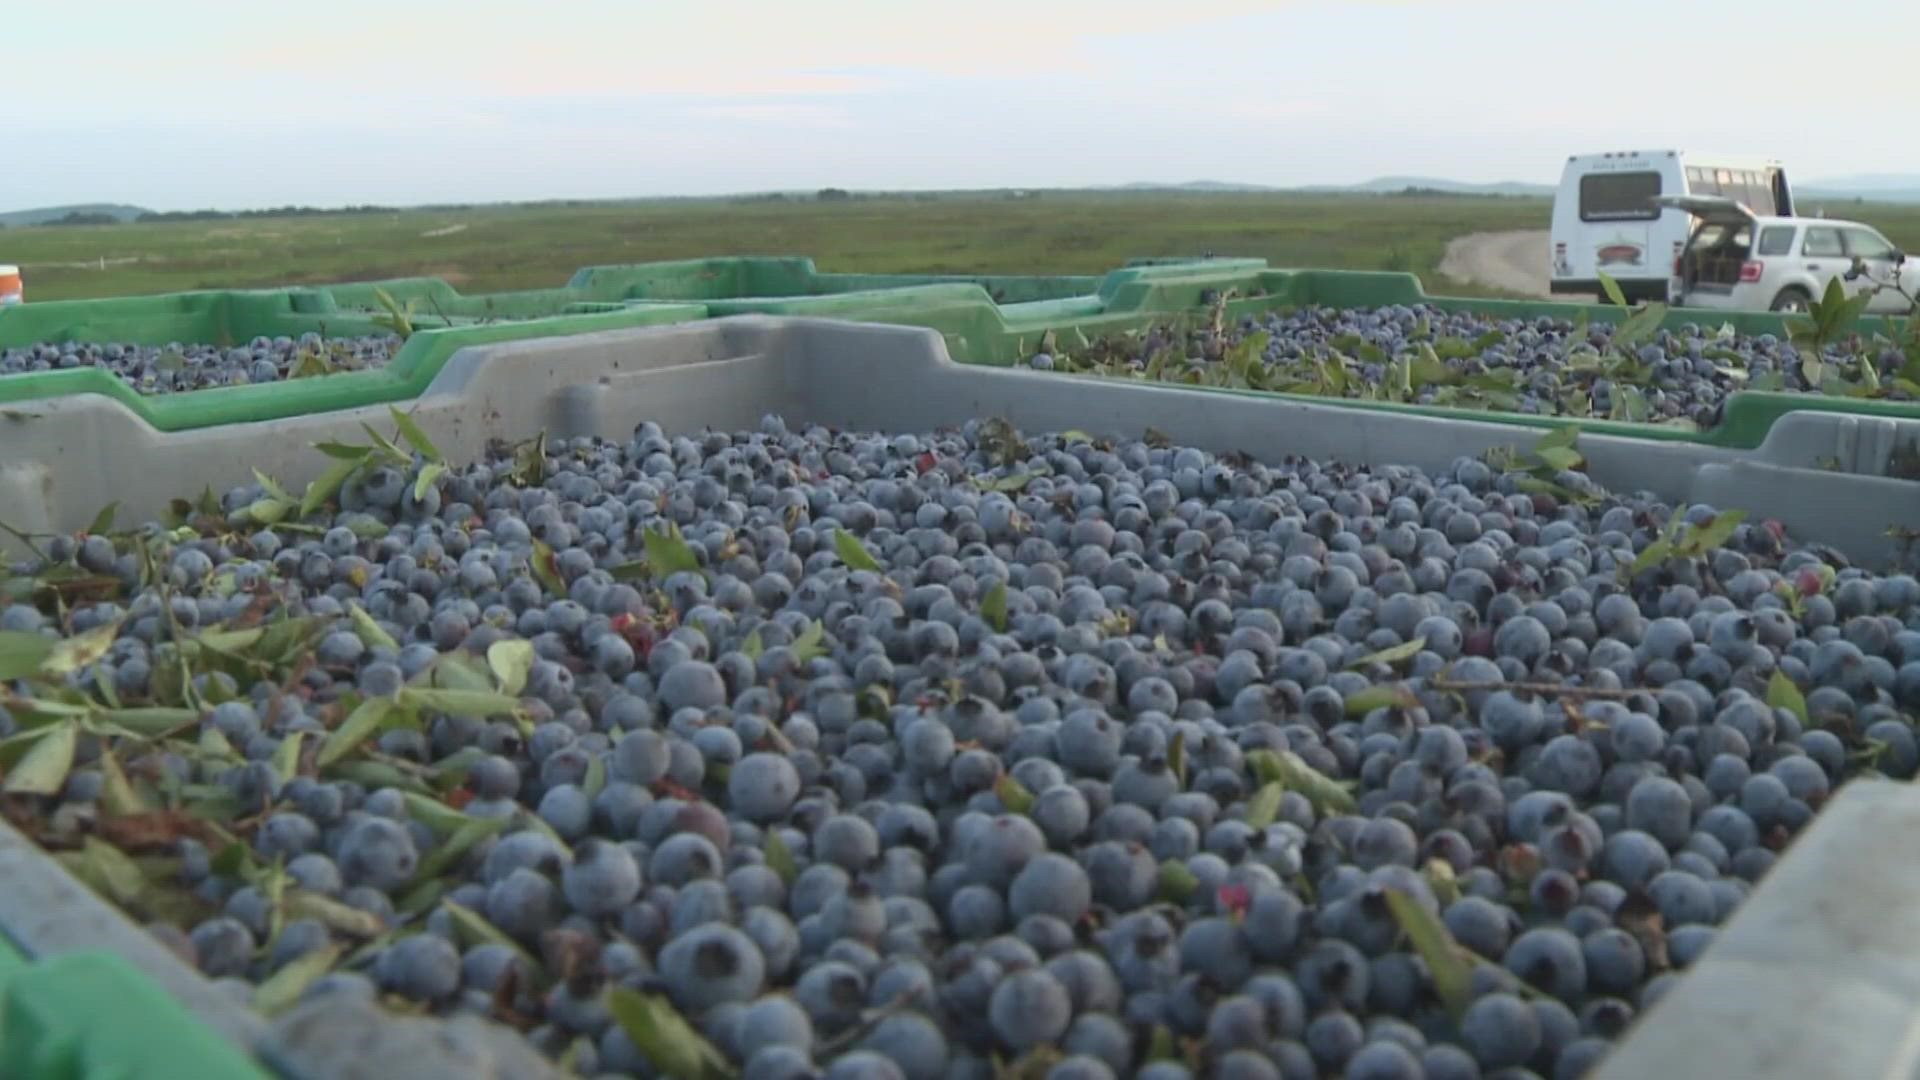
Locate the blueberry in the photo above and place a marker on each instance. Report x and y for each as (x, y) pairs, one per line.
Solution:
(712, 964)
(423, 967)
(602, 879)
(1501, 1030)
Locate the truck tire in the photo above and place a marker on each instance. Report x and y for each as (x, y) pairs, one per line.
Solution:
(1793, 299)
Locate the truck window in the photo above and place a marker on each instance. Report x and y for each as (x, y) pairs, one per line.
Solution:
(1864, 244)
(1776, 240)
(1823, 243)
(1619, 196)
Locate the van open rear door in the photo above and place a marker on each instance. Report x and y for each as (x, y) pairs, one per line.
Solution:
(1715, 213)
(1707, 207)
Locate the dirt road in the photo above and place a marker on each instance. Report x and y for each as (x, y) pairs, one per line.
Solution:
(1514, 261)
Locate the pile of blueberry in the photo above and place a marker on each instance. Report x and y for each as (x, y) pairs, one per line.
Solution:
(907, 755)
(168, 369)
(1537, 366)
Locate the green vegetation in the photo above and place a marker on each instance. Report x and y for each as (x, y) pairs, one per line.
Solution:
(513, 247)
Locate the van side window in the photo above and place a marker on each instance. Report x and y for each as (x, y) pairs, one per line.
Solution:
(1823, 243)
(1862, 244)
(1619, 196)
(1776, 240)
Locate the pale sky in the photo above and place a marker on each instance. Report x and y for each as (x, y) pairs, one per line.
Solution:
(195, 103)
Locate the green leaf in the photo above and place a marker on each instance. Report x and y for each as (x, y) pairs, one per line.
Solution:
(1013, 795)
(385, 445)
(214, 744)
(103, 521)
(472, 830)
(1783, 694)
(333, 914)
(432, 471)
(1380, 697)
(151, 720)
(993, 607)
(369, 629)
(811, 644)
(358, 727)
(1264, 807)
(1177, 759)
(1010, 483)
(1451, 975)
(107, 870)
(437, 816)
(23, 653)
(473, 929)
(753, 647)
(118, 796)
(545, 570)
(328, 484)
(416, 436)
(779, 859)
(456, 671)
(852, 552)
(286, 756)
(1177, 883)
(668, 552)
(476, 703)
(1559, 458)
(671, 1045)
(271, 486)
(344, 451)
(596, 779)
(77, 652)
(1702, 539)
(1565, 436)
(1404, 651)
(510, 662)
(1612, 288)
(1292, 770)
(1640, 326)
(44, 769)
(1631, 404)
(270, 511)
(283, 988)
(1072, 435)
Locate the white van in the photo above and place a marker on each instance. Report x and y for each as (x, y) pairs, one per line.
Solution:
(1605, 220)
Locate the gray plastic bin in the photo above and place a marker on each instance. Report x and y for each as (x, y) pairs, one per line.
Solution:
(1814, 977)
(76, 455)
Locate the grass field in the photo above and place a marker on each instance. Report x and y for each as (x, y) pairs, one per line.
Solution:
(509, 247)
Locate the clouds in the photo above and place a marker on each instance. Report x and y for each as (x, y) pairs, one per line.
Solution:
(181, 106)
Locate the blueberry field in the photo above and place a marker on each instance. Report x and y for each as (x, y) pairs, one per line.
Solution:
(496, 248)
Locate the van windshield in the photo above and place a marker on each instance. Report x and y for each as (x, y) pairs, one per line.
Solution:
(1619, 196)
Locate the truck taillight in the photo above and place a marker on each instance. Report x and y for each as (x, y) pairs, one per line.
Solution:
(1750, 271)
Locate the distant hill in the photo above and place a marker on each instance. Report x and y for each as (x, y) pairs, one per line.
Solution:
(1190, 185)
(1385, 185)
(42, 215)
(1873, 187)
(1390, 185)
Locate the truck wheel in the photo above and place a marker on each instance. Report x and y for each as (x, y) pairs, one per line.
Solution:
(1792, 299)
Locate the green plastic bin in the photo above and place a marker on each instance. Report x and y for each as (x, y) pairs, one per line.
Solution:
(91, 1016)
